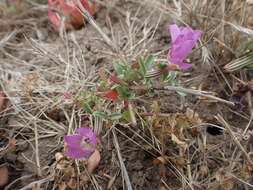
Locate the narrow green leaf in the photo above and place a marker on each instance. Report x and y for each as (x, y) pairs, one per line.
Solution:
(87, 108)
(244, 47)
(100, 114)
(115, 116)
(123, 91)
(170, 76)
(149, 62)
(146, 64)
(142, 68)
(239, 63)
(131, 75)
(119, 68)
(126, 116)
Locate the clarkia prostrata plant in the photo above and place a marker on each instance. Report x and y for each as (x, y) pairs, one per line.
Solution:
(114, 97)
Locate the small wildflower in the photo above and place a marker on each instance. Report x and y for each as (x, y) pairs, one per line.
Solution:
(82, 144)
(183, 40)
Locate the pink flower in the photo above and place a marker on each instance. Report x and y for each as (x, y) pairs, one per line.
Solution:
(183, 40)
(82, 144)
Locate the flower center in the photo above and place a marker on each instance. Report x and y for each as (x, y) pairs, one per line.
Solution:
(85, 143)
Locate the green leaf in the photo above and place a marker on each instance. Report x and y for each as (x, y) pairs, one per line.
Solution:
(123, 91)
(87, 108)
(146, 64)
(170, 76)
(126, 116)
(244, 47)
(100, 114)
(119, 68)
(115, 116)
(240, 63)
(149, 62)
(162, 65)
(142, 69)
(131, 75)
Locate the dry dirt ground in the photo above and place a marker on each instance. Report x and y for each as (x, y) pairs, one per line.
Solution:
(192, 142)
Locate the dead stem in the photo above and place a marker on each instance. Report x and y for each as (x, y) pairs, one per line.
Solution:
(187, 91)
(36, 136)
(241, 180)
(249, 100)
(236, 141)
(38, 183)
(16, 180)
(122, 165)
(90, 19)
(7, 38)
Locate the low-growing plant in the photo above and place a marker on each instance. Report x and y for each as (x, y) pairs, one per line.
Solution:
(114, 97)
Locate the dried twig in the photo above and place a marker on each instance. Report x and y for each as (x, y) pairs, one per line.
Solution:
(16, 180)
(37, 150)
(122, 165)
(187, 91)
(7, 38)
(90, 19)
(38, 183)
(237, 142)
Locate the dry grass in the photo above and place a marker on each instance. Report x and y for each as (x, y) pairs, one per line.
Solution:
(37, 67)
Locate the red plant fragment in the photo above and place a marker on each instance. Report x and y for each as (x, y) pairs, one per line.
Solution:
(126, 104)
(59, 9)
(115, 79)
(111, 95)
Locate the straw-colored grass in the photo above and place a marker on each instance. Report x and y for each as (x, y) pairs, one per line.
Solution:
(37, 66)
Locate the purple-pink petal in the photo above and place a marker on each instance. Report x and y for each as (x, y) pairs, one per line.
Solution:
(184, 66)
(179, 52)
(78, 152)
(73, 140)
(174, 32)
(88, 134)
(82, 144)
(84, 131)
(183, 40)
